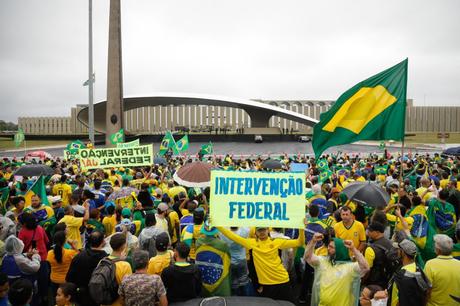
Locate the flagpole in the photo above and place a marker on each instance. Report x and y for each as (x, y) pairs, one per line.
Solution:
(90, 73)
(402, 159)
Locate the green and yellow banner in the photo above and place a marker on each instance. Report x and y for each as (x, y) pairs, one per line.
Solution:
(116, 157)
(264, 199)
(374, 109)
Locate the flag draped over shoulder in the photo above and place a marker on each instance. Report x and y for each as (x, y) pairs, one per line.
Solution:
(182, 144)
(4, 195)
(167, 143)
(213, 259)
(38, 188)
(373, 109)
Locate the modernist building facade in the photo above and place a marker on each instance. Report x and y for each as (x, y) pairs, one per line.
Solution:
(196, 118)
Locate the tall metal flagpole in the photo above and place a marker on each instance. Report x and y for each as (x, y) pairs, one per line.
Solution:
(90, 73)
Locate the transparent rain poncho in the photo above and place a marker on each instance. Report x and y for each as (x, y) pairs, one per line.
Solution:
(336, 282)
(13, 246)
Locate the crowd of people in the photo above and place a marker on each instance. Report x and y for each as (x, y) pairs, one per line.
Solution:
(133, 236)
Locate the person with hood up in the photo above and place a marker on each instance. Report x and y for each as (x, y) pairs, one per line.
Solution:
(337, 278)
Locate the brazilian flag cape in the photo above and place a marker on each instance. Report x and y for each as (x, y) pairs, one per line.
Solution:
(374, 109)
(439, 218)
(213, 259)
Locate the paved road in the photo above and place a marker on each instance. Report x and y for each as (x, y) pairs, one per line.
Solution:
(245, 148)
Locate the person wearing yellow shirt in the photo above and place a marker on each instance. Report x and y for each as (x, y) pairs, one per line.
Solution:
(64, 190)
(273, 277)
(110, 220)
(337, 278)
(443, 273)
(350, 229)
(445, 180)
(73, 223)
(60, 259)
(164, 256)
(122, 268)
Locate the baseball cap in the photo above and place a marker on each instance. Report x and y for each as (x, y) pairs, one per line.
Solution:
(162, 207)
(407, 247)
(126, 212)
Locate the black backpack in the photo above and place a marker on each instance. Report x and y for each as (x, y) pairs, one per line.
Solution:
(103, 286)
(412, 287)
(149, 246)
(388, 263)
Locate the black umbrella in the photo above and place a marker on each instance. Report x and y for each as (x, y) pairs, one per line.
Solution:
(367, 193)
(454, 151)
(272, 164)
(159, 161)
(34, 170)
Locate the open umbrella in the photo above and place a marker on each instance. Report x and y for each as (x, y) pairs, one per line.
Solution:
(160, 160)
(122, 193)
(197, 174)
(367, 193)
(34, 170)
(272, 164)
(454, 151)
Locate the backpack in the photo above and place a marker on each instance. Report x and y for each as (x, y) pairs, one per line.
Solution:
(412, 287)
(391, 261)
(149, 246)
(103, 286)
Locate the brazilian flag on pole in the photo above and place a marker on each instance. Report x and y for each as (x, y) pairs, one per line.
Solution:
(374, 109)
(207, 149)
(38, 188)
(167, 143)
(19, 137)
(182, 144)
(118, 137)
(74, 146)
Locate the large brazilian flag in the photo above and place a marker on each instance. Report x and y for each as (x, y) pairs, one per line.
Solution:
(374, 109)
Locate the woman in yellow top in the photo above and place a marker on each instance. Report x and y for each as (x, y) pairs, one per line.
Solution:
(273, 277)
(60, 259)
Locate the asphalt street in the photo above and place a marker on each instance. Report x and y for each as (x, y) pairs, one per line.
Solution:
(248, 149)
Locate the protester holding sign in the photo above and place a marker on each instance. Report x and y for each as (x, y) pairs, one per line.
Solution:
(273, 277)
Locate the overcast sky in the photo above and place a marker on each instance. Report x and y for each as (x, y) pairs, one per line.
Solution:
(246, 49)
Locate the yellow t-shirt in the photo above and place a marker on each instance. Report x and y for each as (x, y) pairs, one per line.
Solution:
(73, 228)
(444, 274)
(122, 269)
(398, 224)
(59, 270)
(355, 232)
(137, 183)
(158, 263)
(174, 219)
(443, 183)
(268, 264)
(109, 223)
(394, 294)
(63, 190)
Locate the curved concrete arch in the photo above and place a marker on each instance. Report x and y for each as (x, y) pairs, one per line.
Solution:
(259, 112)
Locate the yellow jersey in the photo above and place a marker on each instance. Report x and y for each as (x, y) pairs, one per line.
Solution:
(355, 232)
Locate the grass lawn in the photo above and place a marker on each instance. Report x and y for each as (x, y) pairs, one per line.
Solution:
(7, 144)
(432, 138)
